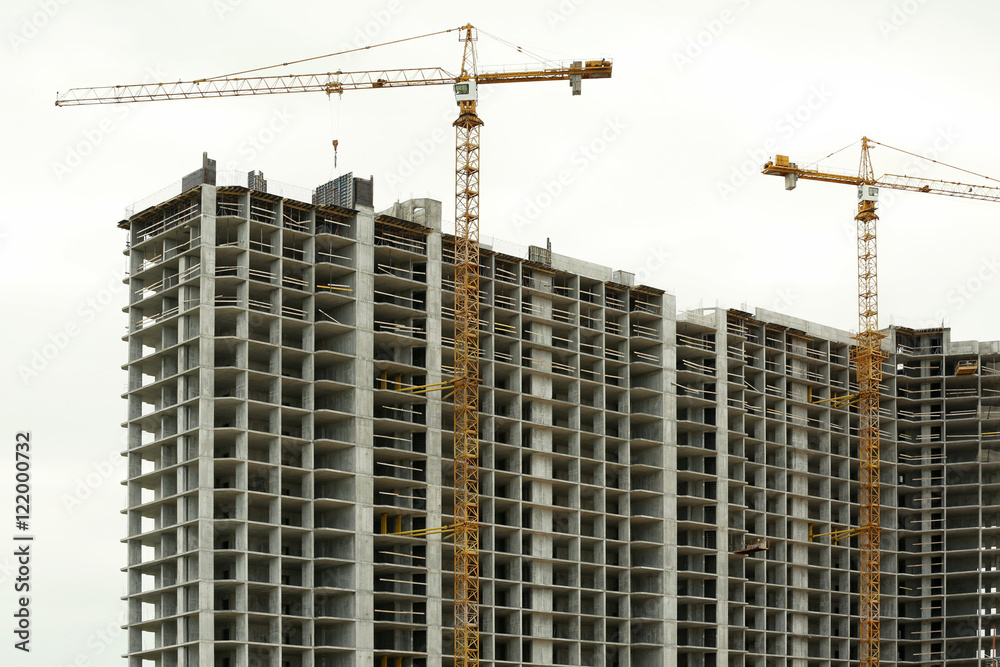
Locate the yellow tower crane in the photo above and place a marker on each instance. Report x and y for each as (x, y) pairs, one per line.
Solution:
(868, 356)
(466, 381)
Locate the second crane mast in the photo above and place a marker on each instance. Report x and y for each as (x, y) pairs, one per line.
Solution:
(868, 356)
(467, 126)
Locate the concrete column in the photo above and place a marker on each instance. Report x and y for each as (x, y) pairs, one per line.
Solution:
(364, 459)
(670, 480)
(206, 429)
(435, 478)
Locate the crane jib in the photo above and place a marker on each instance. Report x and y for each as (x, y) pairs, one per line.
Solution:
(325, 82)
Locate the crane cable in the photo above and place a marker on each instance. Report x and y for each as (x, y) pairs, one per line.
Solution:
(900, 150)
(338, 53)
(839, 150)
(335, 126)
(519, 49)
(943, 164)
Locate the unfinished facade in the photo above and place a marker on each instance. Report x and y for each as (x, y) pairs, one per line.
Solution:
(767, 462)
(649, 484)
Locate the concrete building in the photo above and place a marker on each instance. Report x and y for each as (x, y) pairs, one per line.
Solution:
(650, 479)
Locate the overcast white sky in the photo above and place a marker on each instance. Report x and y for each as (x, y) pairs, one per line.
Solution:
(655, 171)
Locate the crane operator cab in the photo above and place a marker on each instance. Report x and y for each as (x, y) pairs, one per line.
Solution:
(465, 91)
(867, 193)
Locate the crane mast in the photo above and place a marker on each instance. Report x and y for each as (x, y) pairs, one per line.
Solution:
(868, 357)
(467, 362)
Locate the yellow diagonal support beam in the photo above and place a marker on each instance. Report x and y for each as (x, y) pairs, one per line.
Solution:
(420, 532)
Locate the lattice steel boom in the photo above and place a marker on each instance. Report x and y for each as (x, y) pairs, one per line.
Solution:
(868, 357)
(467, 366)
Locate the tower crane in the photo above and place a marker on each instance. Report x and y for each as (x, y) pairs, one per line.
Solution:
(868, 357)
(467, 126)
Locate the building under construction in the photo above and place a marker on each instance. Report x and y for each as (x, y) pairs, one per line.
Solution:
(657, 488)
